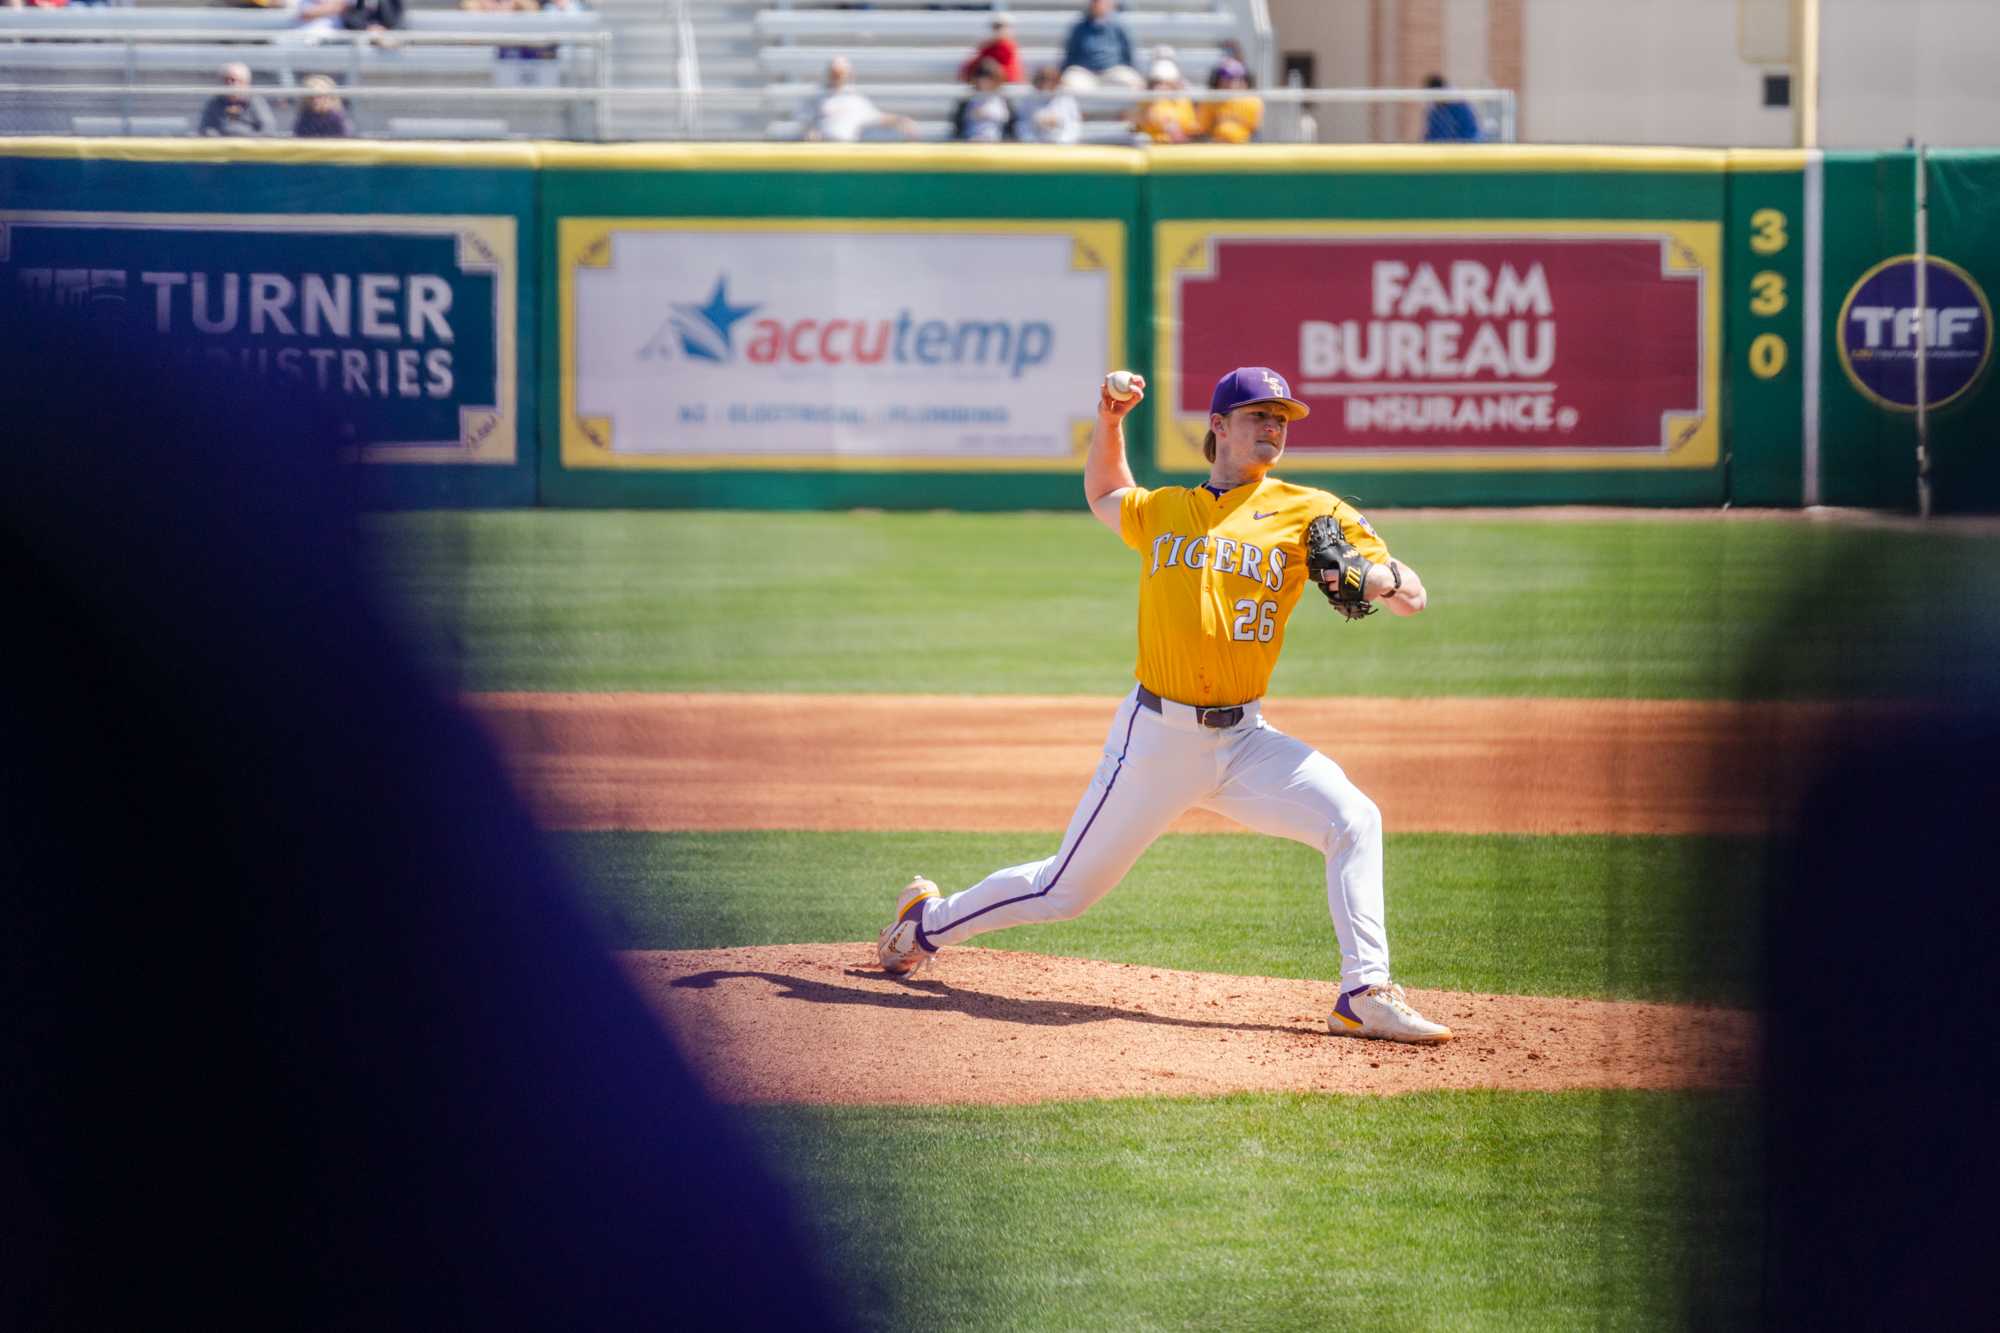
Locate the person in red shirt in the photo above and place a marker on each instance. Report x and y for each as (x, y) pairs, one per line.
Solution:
(1001, 50)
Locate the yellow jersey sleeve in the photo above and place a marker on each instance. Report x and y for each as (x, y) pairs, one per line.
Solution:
(1356, 528)
(1132, 517)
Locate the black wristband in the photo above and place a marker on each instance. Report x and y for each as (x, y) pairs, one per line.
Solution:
(1396, 570)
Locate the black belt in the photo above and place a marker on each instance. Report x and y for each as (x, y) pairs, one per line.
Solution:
(1208, 717)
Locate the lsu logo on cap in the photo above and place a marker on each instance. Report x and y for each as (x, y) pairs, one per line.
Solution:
(1881, 328)
(1278, 388)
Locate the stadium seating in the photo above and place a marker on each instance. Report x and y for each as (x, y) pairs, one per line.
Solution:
(155, 126)
(447, 127)
(892, 64)
(181, 46)
(932, 130)
(907, 59)
(760, 62)
(965, 29)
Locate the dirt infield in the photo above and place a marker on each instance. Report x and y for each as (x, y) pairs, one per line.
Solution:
(820, 1023)
(972, 764)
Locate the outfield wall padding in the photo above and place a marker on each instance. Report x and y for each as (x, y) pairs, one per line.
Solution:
(910, 326)
(395, 285)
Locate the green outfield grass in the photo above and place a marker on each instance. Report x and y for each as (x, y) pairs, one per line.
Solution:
(1044, 604)
(1446, 1210)
(1612, 917)
(1433, 1211)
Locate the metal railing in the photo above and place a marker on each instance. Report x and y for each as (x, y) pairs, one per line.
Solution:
(1261, 55)
(1287, 125)
(285, 49)
(687, 69)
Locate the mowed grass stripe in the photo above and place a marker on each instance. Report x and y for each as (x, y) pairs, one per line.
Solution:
(1437, 1210)
(1045, 604)
(1589, 916)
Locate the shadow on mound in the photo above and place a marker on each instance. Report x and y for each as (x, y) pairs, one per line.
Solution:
(941, 997)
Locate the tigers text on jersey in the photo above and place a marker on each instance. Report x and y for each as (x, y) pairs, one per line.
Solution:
(1218, 579)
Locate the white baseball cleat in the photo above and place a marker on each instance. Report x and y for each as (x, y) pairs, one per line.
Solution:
(897, 946)
(1382, 1012)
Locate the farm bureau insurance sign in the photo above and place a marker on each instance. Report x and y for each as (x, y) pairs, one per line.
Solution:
(1422, 346)
(403, 326)
(833, 344)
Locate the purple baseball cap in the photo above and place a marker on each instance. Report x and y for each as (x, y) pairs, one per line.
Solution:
(1254, 384)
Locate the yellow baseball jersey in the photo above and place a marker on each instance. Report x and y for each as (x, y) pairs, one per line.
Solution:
(1218, 579)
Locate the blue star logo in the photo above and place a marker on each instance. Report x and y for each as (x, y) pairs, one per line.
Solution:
(704, 329)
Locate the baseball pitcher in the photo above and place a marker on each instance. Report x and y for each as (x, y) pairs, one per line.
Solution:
(1221, 566)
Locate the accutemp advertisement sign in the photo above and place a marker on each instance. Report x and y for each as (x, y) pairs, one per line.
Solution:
(1448, 346)
(1882, 327)
(834, 344)
(401, 325)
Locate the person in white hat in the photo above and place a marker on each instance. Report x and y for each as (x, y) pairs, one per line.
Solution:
(842, 115)
(1164, 117)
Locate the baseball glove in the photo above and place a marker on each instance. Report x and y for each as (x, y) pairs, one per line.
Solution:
(1326, 550)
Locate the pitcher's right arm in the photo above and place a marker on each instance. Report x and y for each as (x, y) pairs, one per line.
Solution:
(1106, 474)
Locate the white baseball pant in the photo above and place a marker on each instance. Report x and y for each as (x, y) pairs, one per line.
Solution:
(1157, 765)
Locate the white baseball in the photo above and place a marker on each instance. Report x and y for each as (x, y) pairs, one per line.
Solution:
(1119, 384)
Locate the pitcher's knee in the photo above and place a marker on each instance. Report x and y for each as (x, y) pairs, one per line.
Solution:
(1066, 902)
(1355, 821)
(1060, 909)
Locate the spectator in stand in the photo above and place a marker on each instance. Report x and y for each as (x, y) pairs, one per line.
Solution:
(1164, 117)
(376, 17)
(1000, 49)
(1049, 114)
(842, 115)
(324, 115)
(1099, 50)
(319, 19)
(1235, 120)
(1449, 122)
(316, 19)
(984, 115)
(238, 113)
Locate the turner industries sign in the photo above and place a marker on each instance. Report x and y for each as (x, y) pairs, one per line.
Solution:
(401, 327)
(1462, 342)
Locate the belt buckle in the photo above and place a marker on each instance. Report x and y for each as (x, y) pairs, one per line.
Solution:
(1219, 717)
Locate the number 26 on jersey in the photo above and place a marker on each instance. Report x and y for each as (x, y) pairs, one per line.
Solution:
(1255, 621)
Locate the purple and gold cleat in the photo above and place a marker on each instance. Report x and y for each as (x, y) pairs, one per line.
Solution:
(1383, 1013)
(898, 947)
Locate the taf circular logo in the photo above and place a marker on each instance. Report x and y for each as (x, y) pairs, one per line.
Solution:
(1879, 332)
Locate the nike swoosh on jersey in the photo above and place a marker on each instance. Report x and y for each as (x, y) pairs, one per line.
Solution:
(1267, 514)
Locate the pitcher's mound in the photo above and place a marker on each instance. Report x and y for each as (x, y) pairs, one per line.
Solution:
(822, 1023)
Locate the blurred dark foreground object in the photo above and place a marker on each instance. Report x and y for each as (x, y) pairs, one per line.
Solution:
(1880, 1097)
(299, 1027)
